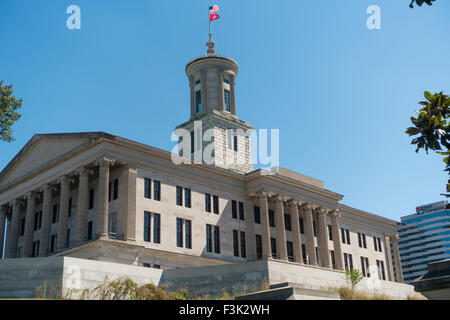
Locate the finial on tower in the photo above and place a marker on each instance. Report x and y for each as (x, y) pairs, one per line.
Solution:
(210, 44)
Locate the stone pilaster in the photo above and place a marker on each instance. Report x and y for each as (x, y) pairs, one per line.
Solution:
(337, 243)
(192, 89)
(249, 230)
(397, 261)
(296, 238)
(232, 95)
(29, 221)
(323, 237)
(127, 187)
(3, 211)
(63, 212)
(47, 192)
(265, 228)
(11, 244)
(220, 88)
(389, 265)
(82, 205)
(279, 225)
(204, 96)
(309, 232)
(103, 205)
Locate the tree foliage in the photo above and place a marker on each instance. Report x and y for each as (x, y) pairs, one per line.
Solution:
(421, 2)
(353, 276)
(8, 111)
(432, 127)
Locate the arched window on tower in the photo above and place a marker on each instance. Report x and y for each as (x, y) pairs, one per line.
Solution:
(227, 100)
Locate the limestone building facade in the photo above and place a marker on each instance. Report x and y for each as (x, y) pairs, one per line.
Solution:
(102, 197)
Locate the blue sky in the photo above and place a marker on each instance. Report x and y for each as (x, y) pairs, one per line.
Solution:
(341, 94)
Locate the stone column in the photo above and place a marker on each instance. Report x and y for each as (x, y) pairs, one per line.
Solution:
(3, 211)
(192, 87)
(279, 225)
(265, 228)
(29, 222)
(337, 241)
(232, 95)
(397, 261)
(127, 187)
(309, 232)
(82, 205)
(47, 191)
(389, 265)
(220, 88)
(13, 233)
(63, 220)
(204, 96)
(249, 230)
(296, 238)
(323, 237)
(103, 205)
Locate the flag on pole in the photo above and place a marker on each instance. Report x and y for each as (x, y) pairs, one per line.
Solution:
(213, 9)
(213, 17)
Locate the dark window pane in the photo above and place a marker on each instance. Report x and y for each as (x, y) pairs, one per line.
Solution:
(290, 250)
(227, 100)
(243, 247)
(156, 228)
(273, 244)
(198, 101)
(157, 190)
(234, 209)
(179, 196)
(258, 247)
(187, 224)
(147, 226)
(179, 233)
(216, 239)
(216, 204)
(116, 189)
(207, 202)
(147, 188)
(187, 198)
(208, 238)
(236, 243)
(91, 199)
(302, 226)
(271, 218)
(89, 235)
(287, 222)
(241, 211)
(257, 214)
(330, 233)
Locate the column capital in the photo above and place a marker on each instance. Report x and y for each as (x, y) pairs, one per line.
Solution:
(335, 214)
(394, 238)
(64, 180)
(16, 202)
(32, 195)
(104, 162)
(293, 203)
(83, 171)
(321, 211)
(261, 195)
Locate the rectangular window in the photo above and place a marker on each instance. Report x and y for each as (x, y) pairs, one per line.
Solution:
(243, 247)
(348, 237)
(147, 223)
(36, 222)
(359, 240)
(147, 188)
(179, 196)
(36, 248)
(302, 227)
(304, 254)
(216, 204)
(235, 143)
(290, 250)
(314, 229)
(208, 238)
(271, 218)
(348, 261)
(91, 198)
(330, 233)
(109, 192)
(157, 190)
(380, 248)
(146, 265)
(216, 239)
(234, 209)
(188, 233)
(287, 222)
(90, 226)
(381, 274)
(52, 243)
(365, 267)
(179, 233)
(55, 214)
(343, 235)
(241, 211)
(207, 202)
(375, 244)
(40, 220)
(257, 214)
(258, 247)
(187, 198)
(70, 207)
(156, 228)
(68, 239)
(273, 244)
(227, 100)
(116, 189)
(364, 241)
(198, 101)
(236, 243)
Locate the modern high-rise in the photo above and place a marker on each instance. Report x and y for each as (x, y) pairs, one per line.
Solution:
(424, 238)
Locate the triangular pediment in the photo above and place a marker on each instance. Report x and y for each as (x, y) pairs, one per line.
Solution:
(41, 151)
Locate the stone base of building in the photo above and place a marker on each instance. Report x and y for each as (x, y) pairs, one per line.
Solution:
(19, 278)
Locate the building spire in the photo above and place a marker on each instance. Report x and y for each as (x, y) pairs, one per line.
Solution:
(211, 44)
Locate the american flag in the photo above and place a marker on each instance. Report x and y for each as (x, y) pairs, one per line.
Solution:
(213, 9)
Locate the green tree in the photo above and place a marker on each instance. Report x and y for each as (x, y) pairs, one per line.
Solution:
(353, 276)
(421, 2)
(8, 111)
(432, 127)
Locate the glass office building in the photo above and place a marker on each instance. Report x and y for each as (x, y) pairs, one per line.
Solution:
(424, 238)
